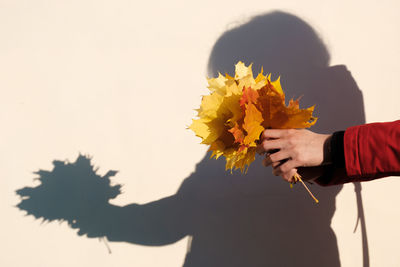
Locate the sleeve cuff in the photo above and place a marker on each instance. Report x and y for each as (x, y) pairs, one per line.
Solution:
(337, 149)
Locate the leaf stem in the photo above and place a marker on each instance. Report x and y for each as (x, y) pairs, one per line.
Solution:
(297, 177)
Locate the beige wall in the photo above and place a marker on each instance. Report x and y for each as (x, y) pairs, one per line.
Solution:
(118, 80)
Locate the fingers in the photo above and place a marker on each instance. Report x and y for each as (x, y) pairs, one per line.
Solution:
(288, 176)
(282, 161)
(276, 158)
(274, 133)
(273, 139)
(268, 145)
(286, 170)
(289, 149)
(266, 162)
(283, 168)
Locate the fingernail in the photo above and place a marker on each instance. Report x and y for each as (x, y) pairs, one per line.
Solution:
(259, 149)
(266, 162)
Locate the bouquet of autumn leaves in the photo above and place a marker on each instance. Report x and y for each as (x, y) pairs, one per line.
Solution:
(238, 109)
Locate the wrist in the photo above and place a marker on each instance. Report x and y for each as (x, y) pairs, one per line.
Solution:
(327, 153)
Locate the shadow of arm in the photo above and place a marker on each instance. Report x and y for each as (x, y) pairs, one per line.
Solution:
(153, 224)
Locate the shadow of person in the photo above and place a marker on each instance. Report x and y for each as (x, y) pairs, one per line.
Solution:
(253, 219)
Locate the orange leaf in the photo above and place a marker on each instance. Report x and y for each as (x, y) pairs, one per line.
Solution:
(252, 125)
(249, 96)
(237, 133)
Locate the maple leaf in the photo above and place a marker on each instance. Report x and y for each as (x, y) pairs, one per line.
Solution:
(252, 124)
(238, 133)
(249, 96)
(239, 109)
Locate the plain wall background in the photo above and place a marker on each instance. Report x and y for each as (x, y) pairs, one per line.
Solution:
(118, 80)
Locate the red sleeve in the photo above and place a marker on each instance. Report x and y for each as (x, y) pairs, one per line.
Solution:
(371, 151)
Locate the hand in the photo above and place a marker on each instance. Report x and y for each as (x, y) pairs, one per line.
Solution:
(287, 150)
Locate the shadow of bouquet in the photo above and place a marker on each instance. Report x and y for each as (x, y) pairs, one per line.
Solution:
(71, 192)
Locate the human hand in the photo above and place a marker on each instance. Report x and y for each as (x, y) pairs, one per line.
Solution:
(287, 150)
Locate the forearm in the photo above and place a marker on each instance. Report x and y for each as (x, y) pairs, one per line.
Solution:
(372, 150)
(363, 153)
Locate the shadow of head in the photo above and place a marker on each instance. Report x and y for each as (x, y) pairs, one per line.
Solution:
(280, 42)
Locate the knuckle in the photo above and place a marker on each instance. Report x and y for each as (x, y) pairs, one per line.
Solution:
(296, 154)
(290, 141)
(291, 132)
(280, 170)
(273, 157)
(286, 132)
(284, 168)
(275, 164)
